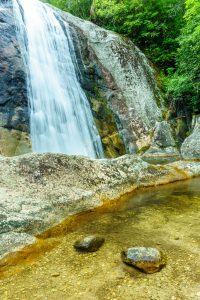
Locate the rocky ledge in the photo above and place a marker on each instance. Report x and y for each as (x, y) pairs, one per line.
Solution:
(38, 191)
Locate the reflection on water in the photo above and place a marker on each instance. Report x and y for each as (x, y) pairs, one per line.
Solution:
(150, 206)
(162, 160)
(175, 194)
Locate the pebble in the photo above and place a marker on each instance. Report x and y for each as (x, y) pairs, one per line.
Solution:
(89, 244)
(147, 260)
(55, 274)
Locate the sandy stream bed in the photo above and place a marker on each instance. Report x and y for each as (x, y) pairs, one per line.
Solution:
(165, 217)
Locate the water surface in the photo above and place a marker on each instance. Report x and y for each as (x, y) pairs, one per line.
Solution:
(166, 217)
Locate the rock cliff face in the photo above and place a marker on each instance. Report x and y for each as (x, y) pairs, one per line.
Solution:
(13, 96)
(118, 81)
(131, 91)
(190, 148)
(115, 75)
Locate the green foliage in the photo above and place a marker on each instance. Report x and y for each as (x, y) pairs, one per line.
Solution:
(80, 8)
(184, 85)
(153, 25)
(168, 31)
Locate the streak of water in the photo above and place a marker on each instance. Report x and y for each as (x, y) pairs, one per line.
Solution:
(61, 118)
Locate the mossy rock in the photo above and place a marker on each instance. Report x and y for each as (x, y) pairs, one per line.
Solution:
(181, 129)
(113, 145)
(14, 142)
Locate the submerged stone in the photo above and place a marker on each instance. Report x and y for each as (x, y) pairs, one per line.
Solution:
(147, 260)
(89, 244)
(55, 274)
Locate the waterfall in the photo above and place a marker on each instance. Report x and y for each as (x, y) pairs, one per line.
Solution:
(61, 120)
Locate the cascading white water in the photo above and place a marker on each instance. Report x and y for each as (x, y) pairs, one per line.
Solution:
(61, 118)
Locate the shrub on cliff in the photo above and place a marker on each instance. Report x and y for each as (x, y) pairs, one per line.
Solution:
(184, 85)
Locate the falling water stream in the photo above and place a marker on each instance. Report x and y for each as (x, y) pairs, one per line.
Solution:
(60, 115)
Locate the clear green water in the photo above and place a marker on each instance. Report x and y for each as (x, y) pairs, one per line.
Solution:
(166, 217)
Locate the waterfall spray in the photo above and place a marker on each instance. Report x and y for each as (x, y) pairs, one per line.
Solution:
(61, 120)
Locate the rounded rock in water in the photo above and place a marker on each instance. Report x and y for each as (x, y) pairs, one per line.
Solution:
(148, 260)
(89, 244)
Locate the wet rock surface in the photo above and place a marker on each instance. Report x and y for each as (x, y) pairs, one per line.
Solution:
(14, 112)
(13, 94)
(148, 260)
(98, 92)
(14, 241)
(131, 90)
(90, 243)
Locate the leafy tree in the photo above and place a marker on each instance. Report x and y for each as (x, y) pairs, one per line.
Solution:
(168, 31)
(80, 8)
(153, 25)
(184, 85)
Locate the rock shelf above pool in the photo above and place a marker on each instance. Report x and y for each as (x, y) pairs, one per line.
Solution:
(39, 191)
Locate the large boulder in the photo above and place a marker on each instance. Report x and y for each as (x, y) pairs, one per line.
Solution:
(190, 148)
